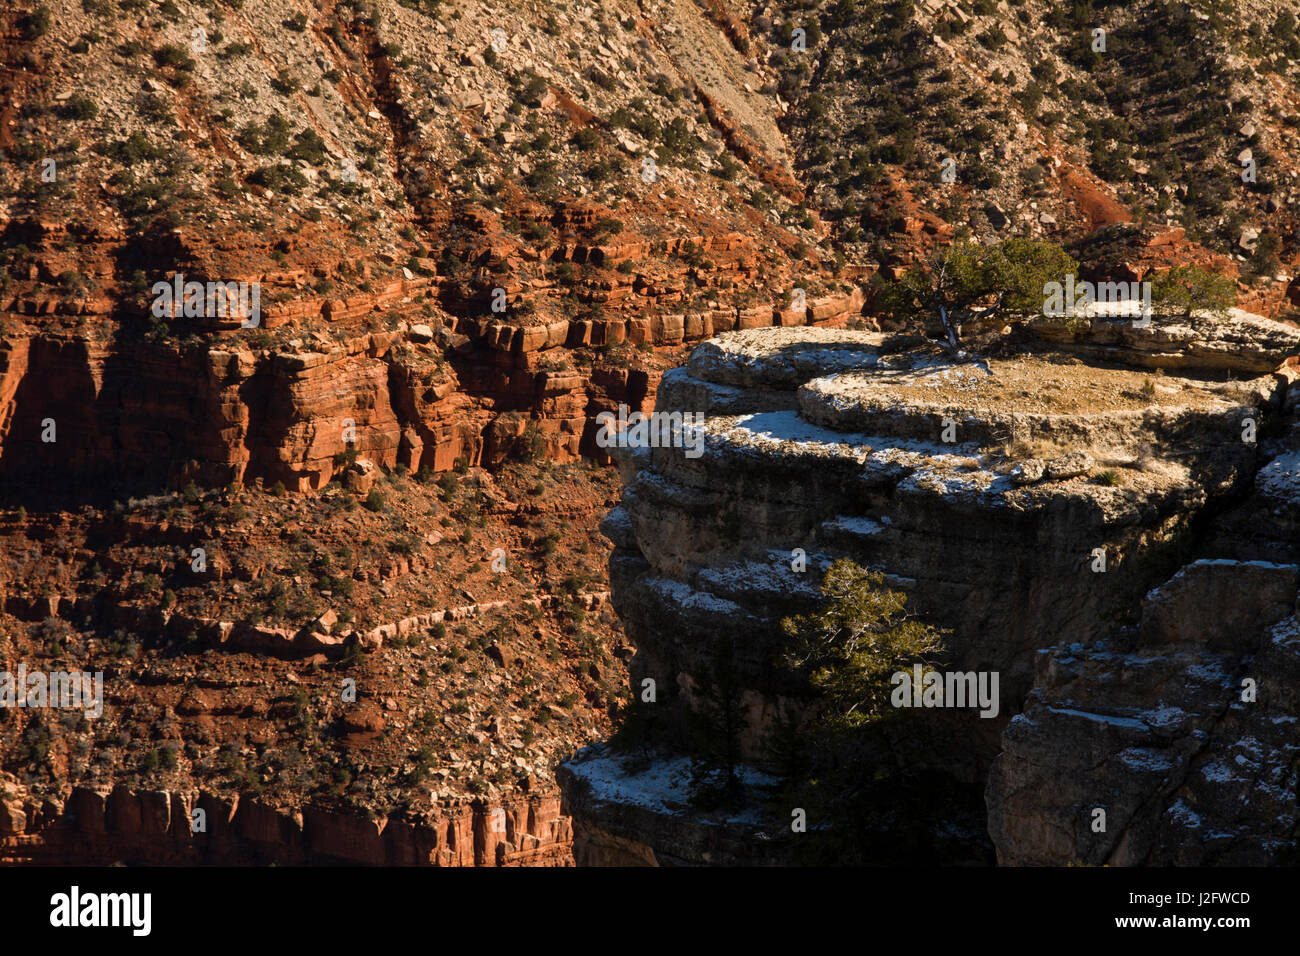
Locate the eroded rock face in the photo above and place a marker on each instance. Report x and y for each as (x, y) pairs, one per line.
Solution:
(163, 416)
(862, 470)
(1027, 503)
(1241, 342)
(151, 827)
(152, 415)
(1173, 743)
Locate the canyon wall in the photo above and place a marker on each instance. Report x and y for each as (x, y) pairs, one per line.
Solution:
(154, 415)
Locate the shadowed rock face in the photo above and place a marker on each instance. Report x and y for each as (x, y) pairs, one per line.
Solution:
(994, 491)
(1181, 730)
(431, 155)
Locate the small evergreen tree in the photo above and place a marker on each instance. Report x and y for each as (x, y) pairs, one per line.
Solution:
(1184, 289)
(638, 733)
(860, 804)
(1001, 281)
(851, 645)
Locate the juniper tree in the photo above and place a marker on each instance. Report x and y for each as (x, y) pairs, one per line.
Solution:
(714, 726)
(1184, 289)
(1002, 281)
(861, 807)
(850, 645)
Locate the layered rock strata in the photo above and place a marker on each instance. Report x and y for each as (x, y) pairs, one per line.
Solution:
(152, 414)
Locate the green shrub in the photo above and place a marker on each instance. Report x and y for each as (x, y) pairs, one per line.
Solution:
(285, 83)
(586, 138)
(35, 24)
(172, 55)
(1183, 290)
(309, 146)
(79, 107)
(283, 179)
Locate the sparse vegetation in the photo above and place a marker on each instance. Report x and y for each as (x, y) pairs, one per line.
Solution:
(1183, 290)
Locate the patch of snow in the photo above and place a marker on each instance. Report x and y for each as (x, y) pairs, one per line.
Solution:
(1165, 717)
(1286, 631)
(1222, 835)
(617, 523)
(1218, 773)
(663, 787)
(1250, 745)
(1184, 815)
(687, 598)
(944, 482)
(788, 426)
(1127, 722)
(775, 578)
(1209, 673)
(1146, 760)
(1280, 478)
(1229, 562)
(853, 525)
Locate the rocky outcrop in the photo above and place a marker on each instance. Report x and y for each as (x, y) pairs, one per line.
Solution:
(1239, 342)
(1027, 502)
(280, 642)
(626, 815)
(1171, 743)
